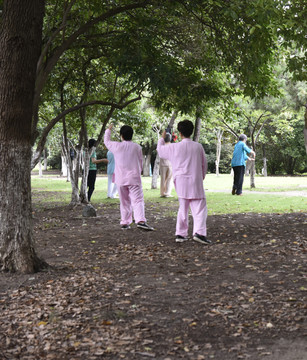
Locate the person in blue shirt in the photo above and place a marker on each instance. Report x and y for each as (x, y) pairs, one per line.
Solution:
(238, 163)
(112, 189)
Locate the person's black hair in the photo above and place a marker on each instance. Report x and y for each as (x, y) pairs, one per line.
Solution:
(126, 132)
(242, 137)
(186, 128)
(91, 143)
(168, 137)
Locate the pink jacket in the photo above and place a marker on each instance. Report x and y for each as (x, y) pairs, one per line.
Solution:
(128, 160)
(189, 165)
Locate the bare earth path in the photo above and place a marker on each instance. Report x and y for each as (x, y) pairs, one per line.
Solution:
(136, 295)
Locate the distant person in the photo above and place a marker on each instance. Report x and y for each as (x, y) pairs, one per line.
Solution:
(238, 163)
(166, 172)
(128, 167)
(91, 178)
(189, 165)
(112, 189)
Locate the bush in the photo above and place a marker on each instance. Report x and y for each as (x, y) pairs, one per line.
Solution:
(54, 161)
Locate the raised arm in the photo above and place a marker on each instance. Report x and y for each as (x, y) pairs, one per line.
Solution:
(107, 139)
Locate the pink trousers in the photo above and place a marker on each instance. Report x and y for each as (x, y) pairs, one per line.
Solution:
(131, 199)
(199, 212)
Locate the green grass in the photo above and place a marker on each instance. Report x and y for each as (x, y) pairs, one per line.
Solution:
(221, 203)
(55, 190)
(270, 183)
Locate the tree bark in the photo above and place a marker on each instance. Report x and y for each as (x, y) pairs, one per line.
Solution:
(252, 174)
(197, 129)
(147, 151)
(40, 169)
(219, 136)
(20, 42)
(64, 170)
(155, 172)
(265, 165)
(146, 165)
(45, 159)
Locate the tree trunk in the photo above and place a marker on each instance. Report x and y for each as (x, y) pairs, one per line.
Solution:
(40, 169)
(155, 173)
(219, 136)
(20, 41)
(305, 129)
(45, 159)
(265, 165)
(146, 164)
(147, 151)
(74, 176)
(197, 129)
(252, 174)
(64, 170)
(86, 166)
(83, 139)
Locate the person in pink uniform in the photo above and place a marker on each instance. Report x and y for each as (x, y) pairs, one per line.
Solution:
(128, 166)
(189, 165)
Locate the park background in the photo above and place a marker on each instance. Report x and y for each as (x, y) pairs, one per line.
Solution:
(80, 288)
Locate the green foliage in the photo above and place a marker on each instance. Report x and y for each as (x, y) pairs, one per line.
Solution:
(292, 31)
(54, 161)
(225, 161)
(195, 57)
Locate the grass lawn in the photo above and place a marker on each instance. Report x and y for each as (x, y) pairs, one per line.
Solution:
(57, 190)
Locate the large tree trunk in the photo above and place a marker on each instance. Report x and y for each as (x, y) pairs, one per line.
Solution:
(265, 164)
(20, 41)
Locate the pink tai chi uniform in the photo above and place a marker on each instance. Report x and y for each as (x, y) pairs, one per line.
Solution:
(128, 167)
(189, 165)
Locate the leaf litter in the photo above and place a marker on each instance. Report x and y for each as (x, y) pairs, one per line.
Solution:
(137, 295)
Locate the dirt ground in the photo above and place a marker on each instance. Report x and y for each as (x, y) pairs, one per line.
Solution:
(114, 294)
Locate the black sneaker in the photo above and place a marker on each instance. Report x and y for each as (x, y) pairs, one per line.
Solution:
(180, 239)
(201, 239)
(125, 227)
(234, 191)
(144, 226)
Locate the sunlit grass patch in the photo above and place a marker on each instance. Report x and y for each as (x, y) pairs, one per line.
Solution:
(57, 191)
(221, 203)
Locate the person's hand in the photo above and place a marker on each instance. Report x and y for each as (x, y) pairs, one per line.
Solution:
(163, 134)
(110, 126)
